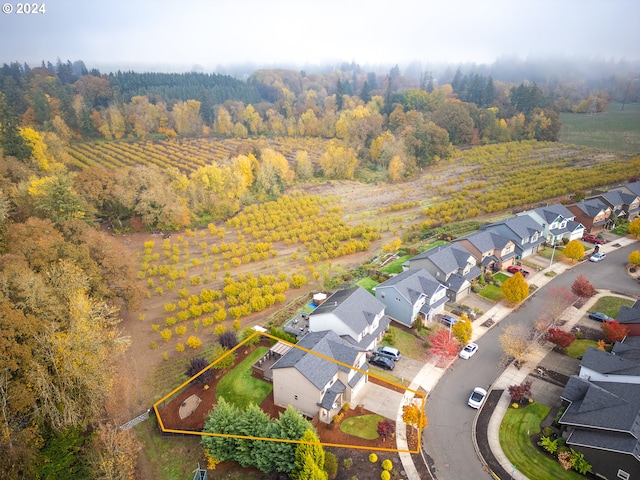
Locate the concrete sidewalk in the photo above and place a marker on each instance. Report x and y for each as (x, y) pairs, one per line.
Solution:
(429, 375)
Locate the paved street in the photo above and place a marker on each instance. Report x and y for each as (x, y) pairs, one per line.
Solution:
(448, 439)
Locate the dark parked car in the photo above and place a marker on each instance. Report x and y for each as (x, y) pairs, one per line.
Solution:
(591, 238)
(382, 362)
(600, 317)
(449, 321)
(516, 269)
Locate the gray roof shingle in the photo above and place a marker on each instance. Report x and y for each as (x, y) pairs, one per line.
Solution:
(412, 284)
(354, 306)
(316, 369)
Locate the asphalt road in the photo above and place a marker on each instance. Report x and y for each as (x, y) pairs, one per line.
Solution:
(447, 440)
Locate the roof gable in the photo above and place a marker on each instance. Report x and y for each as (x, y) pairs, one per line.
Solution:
(412, 284)
(355, 307)
(448, 258)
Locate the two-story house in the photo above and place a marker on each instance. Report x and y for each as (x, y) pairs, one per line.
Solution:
(526, 234)
(491, 251)
(452, 265)
(620, 202)
(353, 314)
(634, 207)
(601, 419)
(311, 379)
(412, 293)
(592, 213)
(557, 223)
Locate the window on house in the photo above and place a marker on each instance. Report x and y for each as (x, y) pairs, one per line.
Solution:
(623, 475)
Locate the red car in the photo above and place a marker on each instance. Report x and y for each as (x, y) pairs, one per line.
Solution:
(516, 269)
(591, 238)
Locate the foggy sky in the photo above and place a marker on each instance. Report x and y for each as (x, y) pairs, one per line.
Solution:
(184, 33)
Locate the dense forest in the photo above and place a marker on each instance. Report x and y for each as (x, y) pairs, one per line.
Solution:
(64, 282)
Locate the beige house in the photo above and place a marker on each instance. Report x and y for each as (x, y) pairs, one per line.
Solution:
(309, 377)
(491, 251)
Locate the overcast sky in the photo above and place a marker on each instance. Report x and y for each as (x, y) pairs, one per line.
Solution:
(184, 33)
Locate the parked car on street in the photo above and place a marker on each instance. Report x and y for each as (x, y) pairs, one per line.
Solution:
(600, 317)
(389, 352)
(516, 269)
(591, 238)
(469, 351)
(477, 397)
(596, 257)
(382, 362)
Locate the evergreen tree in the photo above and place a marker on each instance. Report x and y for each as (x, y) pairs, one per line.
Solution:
(224, 419)
(309, 459)
(12, 143)
(365, 93)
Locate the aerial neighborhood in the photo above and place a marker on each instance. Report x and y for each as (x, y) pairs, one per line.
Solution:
(345, 329)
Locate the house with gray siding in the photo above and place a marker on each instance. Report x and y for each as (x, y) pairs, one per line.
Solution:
(452, 265)
(308, 380)
(557, 222)
(353, 314)
(410, 294)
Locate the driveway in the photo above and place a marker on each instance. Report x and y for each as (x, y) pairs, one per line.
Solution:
(381, 400)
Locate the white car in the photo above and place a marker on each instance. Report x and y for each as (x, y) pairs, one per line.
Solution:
(468, 351)
(477, 397)
(596, 257)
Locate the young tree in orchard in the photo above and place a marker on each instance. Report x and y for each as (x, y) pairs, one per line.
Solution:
(574, 250)
(583, 288)
(634, 227)
(614, 331)
(463, 329)
(515, 288)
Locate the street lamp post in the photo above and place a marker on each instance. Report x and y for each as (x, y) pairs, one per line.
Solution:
(552, 254)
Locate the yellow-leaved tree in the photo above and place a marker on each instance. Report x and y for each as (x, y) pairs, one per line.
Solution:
(413, 415)
(463, 329)
(515, 288)
(574, 250)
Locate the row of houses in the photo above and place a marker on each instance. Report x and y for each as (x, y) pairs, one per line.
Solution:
(321, 376)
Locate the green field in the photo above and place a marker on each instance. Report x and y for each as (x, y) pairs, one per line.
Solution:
(615, 130)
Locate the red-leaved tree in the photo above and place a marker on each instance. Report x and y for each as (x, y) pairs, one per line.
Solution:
(386, 429)
(583, 288)
(560, 337)
(521, 392)
(614, 331)
(444, 345)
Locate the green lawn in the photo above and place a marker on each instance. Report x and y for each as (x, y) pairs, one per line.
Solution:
(501, 277)
(395, 266)
(610, 305)
(368, 283)
(492, 292)
(364, 426)
(578, 347)
(408, 345)
(239, 387)
(517, 425)
(614, 130)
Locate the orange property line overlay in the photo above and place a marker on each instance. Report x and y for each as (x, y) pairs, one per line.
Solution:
(420, 395)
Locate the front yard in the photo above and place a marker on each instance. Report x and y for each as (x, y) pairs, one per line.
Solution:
(610, 305)
(518, 427)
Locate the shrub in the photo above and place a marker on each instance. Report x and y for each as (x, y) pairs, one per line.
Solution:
(373, 458)
(385, 429)
(180, 347)
(196, 365)
(194, 342)
(347, 463)
(154, 345)
(387, 464)
(228, 339)
(330, 465)
(385, 475)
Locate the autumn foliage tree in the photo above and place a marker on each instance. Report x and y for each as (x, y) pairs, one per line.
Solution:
(583, 288)
(413, 415)
(560, 337)
(521, 392)
(515, 288)
(574, 250)
(443, 344)
(463, 329)
(614, 331)
(634, 227)
(634, 257)
(516, 342)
